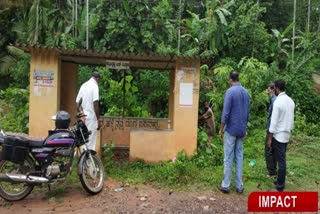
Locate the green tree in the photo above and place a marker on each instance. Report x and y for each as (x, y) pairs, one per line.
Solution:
(280, 47)
(247, 36)
(14, 68)
(207, 36)
(154, 92)
(132, 26)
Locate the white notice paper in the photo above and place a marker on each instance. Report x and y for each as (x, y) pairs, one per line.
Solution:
(186, 94)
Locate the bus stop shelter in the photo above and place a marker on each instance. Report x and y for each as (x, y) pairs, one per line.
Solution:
(53, 87)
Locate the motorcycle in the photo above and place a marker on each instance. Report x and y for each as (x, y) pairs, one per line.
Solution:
(25, 162)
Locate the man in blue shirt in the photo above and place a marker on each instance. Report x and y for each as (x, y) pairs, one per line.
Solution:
(234, 121)
(269, 152)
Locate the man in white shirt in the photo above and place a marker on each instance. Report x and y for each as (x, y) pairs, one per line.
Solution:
(88, 102)
(281, 124)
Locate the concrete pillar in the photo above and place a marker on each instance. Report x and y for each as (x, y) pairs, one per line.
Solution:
(186, 99)
(44, 99)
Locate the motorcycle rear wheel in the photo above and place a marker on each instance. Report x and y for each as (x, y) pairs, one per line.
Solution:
(92, 175)
(13, 191)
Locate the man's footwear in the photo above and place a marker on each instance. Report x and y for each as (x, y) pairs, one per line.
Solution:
(275, 190)
(240, 191)
(223, 190)
(272, 175)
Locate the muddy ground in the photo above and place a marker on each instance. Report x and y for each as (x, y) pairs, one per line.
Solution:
(127, 199)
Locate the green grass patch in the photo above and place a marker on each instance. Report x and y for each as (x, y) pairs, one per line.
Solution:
(204, 170)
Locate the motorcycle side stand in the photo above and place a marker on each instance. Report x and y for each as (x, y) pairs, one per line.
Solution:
(50, 185)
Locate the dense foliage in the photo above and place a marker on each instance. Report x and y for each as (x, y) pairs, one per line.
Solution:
(253, 37)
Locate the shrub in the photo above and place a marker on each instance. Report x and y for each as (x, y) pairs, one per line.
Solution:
(107, 155)
(14, 110)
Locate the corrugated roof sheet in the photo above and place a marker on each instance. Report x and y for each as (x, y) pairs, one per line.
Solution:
(96, 57)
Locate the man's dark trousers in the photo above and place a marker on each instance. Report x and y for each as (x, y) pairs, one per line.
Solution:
(270, 156)
(280, 150)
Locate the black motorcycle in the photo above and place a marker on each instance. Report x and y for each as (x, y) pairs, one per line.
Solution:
(27, 162)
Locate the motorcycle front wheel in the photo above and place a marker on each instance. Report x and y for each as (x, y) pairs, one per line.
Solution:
(14, 191)
(92, 174)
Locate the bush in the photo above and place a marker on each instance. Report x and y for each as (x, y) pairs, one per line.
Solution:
(107, 155)
(14, 110)
(207, 157)
(301, 127)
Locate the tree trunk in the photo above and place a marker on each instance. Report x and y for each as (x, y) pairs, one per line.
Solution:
(308, 19)
(87, 25)
(294, 26)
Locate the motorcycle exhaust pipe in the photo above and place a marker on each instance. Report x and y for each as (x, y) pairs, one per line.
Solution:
(4, 177)
(23, 178)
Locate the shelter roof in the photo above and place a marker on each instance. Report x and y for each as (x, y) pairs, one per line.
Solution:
(97, 57)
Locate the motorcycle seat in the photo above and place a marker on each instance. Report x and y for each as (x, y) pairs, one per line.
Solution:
(1, 139)
(16, 140)
(35, 143)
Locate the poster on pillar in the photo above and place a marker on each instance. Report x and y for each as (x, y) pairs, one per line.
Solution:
(186, 94)
(43, 82)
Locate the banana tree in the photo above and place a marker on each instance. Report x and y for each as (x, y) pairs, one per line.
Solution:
(279, 51)
(216, 15)
(60, 26)
(207, 35)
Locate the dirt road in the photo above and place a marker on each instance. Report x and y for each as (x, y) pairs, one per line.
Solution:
(128, 199)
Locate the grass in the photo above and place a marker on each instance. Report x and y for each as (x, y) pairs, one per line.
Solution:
(304, 164)
(303, 168)
(203, 172)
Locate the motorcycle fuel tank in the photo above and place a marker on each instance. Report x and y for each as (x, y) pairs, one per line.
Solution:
(59, 139)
